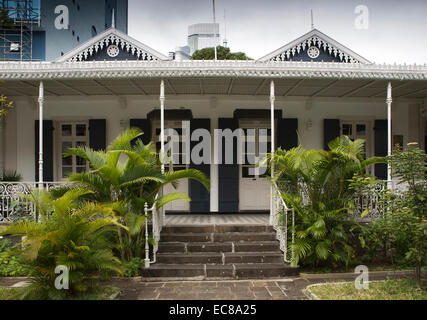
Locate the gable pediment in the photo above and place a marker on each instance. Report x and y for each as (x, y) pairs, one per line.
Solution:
(112, 45)
(315, 46)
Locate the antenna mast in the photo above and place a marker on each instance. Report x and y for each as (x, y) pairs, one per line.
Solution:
(312, 20)
(113, 20)
(225, 31)
(214, 24)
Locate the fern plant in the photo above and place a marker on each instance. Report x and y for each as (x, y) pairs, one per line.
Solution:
(316, 183)
(125, 177)
(71, 234)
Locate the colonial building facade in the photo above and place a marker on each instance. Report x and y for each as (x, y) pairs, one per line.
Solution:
(316, 88)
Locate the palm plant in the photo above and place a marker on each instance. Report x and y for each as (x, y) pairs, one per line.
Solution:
(127, 176)
(70, 233)
(316, 184)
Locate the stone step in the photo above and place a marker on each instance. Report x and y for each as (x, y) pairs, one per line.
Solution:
(251, 257)
(228, 271)
(216, 228)
(270, 270)
(218, 237)
(219, 247)
(190, 258)
(218, 258)
(258, 246)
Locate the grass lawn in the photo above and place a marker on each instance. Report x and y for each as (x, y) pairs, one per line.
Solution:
(7, 294)
(398, 289)
(107, 291)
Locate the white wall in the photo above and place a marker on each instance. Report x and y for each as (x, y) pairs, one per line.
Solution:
(20, 129)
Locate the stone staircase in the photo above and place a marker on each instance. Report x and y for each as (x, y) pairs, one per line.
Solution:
(219, 252)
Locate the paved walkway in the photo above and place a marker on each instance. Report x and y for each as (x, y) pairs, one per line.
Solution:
(285, 289)
(281, 289)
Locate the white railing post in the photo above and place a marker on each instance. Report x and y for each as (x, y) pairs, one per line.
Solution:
(272, 190)
(147, 247)
(293, 239)
(389, 133)
(41, 102)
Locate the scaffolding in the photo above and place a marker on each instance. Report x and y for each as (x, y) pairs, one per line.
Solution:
(19, 18)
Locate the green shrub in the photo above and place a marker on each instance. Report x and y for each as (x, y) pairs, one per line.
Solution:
(316, 183)
(68, 234)
(127, 186)
(402, 230)
(132, 268)
(10, 263)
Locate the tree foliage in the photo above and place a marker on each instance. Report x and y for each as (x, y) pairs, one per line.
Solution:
(5, 106)
(401, 232)
(223, 53)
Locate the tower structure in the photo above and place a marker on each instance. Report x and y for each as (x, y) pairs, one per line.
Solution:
(19, 19)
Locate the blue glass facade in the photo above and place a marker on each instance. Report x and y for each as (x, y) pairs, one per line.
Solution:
(44, 41)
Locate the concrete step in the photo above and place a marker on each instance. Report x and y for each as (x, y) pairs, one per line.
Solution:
(218, 237)
(269, 270)
(218, 258)
(251, 257)
(219, 247)
(257, 246)
(190, 258)
(216, 228)
(228, 271)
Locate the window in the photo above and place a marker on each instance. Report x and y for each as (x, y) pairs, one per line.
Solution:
(257, 143)
(93, 31)
(178, 149)
(355, 129)
(15, 47)
(71, 135)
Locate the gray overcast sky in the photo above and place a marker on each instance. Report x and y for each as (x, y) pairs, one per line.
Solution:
(397, 29)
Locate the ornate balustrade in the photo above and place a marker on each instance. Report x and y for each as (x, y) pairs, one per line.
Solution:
(13, 206)
(281, 224)
(221, 68)
(154, 217)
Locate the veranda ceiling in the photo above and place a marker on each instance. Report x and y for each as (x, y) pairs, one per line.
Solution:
(216, 86)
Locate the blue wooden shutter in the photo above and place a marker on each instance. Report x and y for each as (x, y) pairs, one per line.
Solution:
(381, 147)
(200, 198)
(47, 150)
(145, 126)
(331, 130)
(228, 174)
(98, 134)
(287, 133)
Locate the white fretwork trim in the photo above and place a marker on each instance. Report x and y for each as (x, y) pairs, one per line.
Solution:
(109, 37)
(321, 41)
(200, 68)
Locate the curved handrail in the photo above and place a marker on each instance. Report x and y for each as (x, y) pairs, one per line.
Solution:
(280, 218)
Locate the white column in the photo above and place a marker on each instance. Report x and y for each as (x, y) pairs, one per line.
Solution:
(389, 133)
(41, 101)
(214, 197)
(2, 146)
(162, 124)
(272, 100)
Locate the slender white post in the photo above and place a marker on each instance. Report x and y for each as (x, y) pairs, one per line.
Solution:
(215, 39)
(41, 101)
(147, 247)
(162, 124)
(272, 100)
(389, 133)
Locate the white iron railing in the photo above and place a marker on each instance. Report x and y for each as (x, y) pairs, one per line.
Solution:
(280, 220)
(157, 221)
(13, 207)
